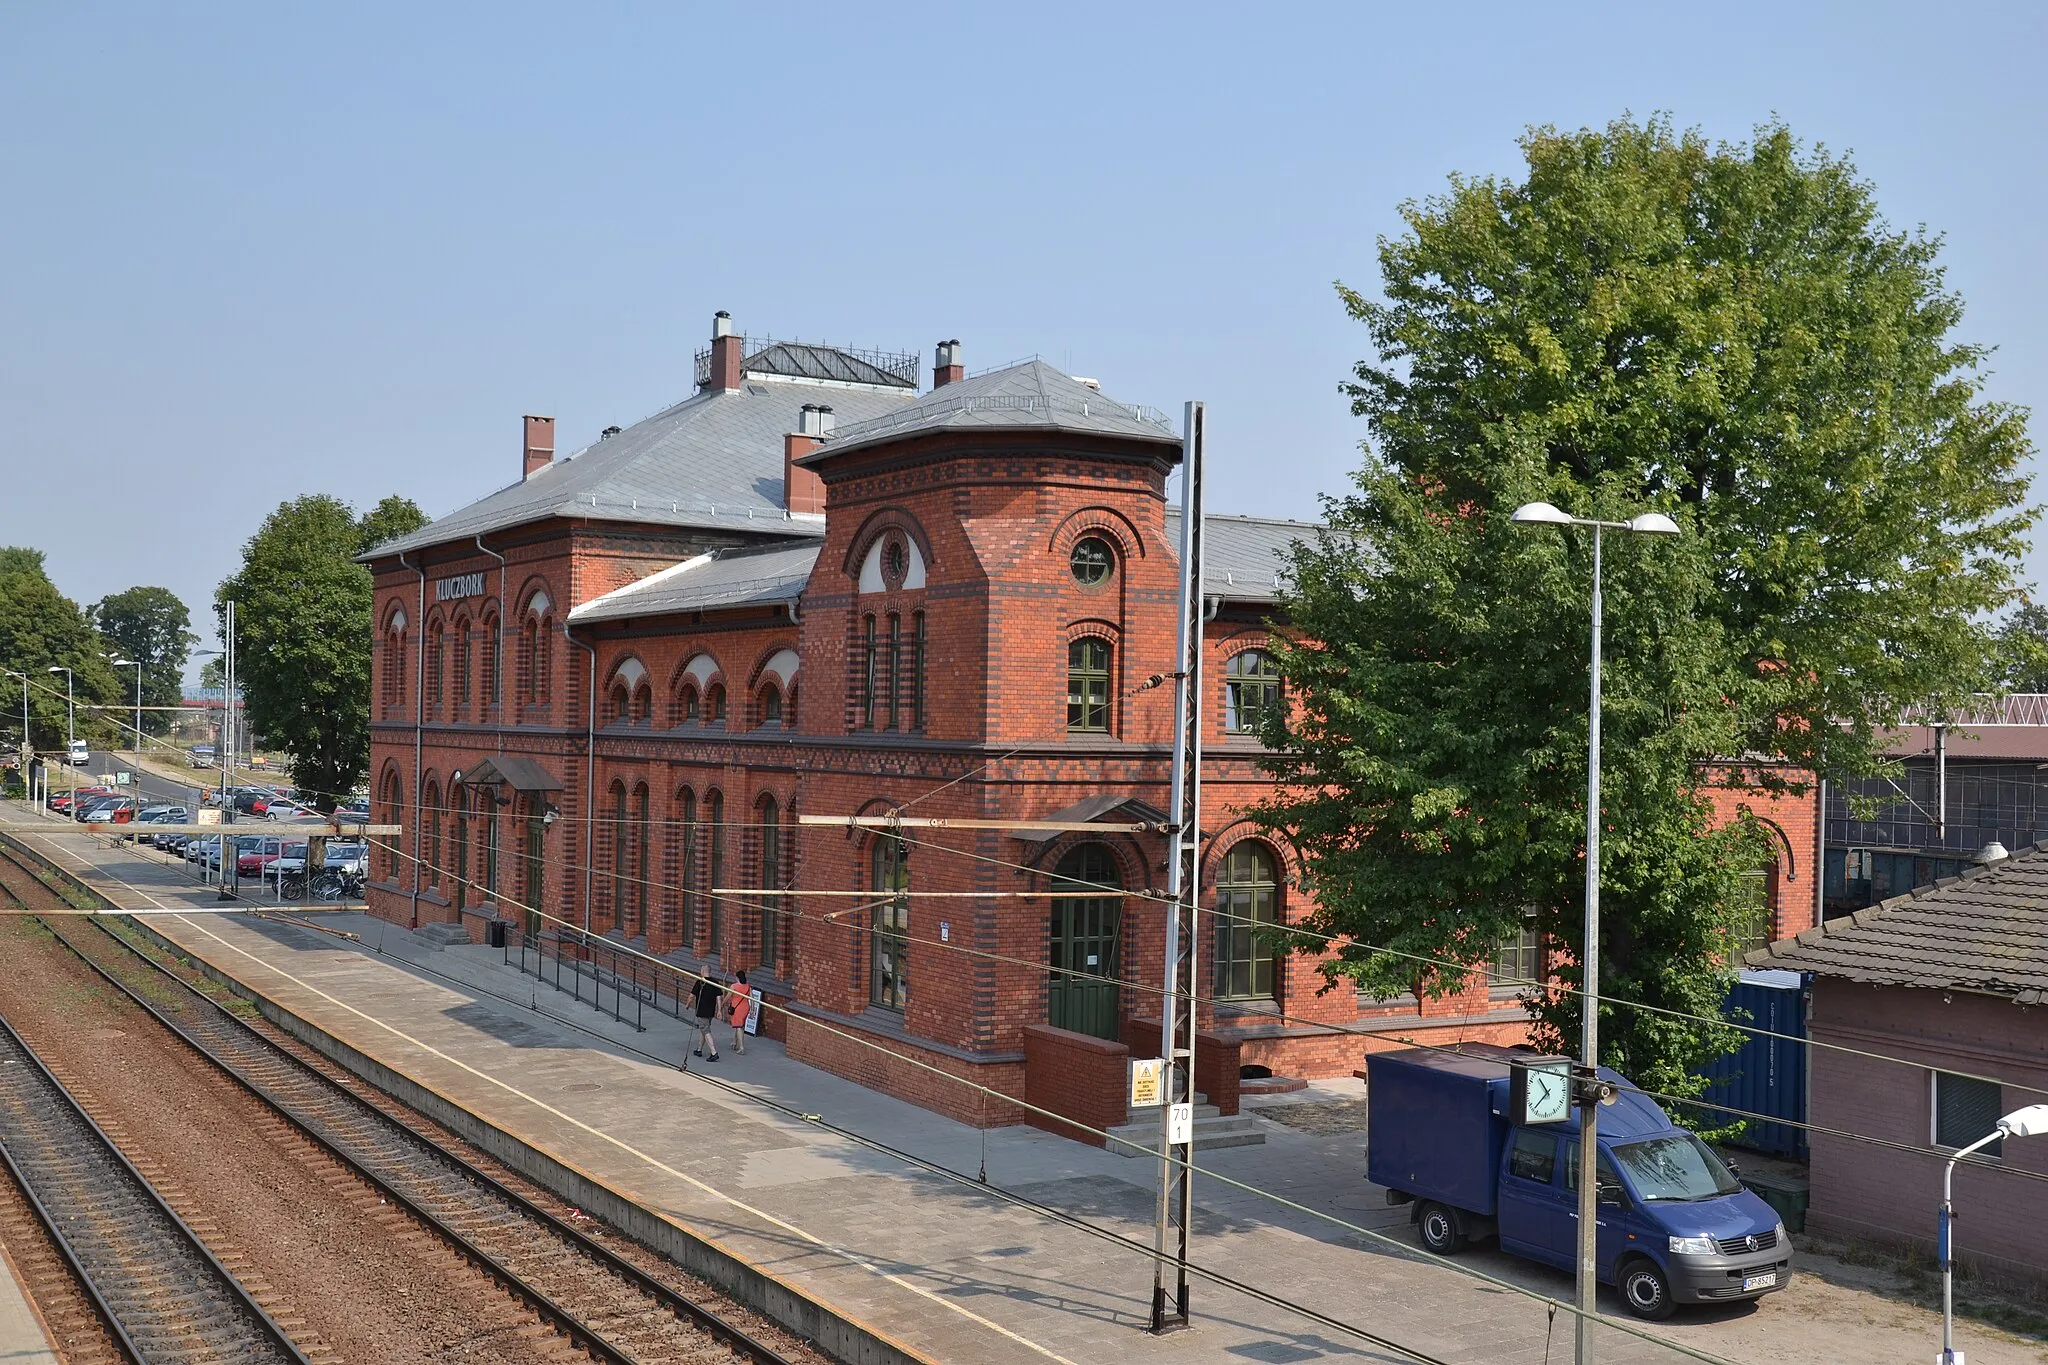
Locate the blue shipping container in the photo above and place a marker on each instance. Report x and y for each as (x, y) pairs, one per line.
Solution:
(1765, 1075)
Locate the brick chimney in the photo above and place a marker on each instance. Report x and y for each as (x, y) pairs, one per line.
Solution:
(946, 366)
(802, 489)
(726, 347)
(540, 446)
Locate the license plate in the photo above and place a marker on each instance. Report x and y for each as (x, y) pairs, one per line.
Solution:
(1767, 1280)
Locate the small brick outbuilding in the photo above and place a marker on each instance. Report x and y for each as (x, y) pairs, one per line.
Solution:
(1930, 1019)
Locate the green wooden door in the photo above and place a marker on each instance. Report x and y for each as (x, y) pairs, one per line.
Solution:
(1081, 988)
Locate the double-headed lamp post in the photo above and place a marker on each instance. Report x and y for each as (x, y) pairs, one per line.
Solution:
(136, 664)
(1588, 1087)
(70, 711)
(2031, 1121)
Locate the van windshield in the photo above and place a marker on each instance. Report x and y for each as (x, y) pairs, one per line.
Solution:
(1676, 1169)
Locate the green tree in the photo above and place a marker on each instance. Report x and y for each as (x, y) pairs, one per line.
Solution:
(2023, 650)
(41, 627)
(152, 626)
(1730, 334)
(302, 626)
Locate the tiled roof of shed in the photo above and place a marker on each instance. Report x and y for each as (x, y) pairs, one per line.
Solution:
(1985, 931)
(714, 459)
(751, 576)
(1030, 395)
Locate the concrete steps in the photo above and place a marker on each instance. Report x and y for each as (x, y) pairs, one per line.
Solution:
(1138, 1134)
(443, 935)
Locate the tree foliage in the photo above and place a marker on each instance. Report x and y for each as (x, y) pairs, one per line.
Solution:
(1729, 334)
(303, 627)
(151, 626)
(2023, 650)
(41, 627)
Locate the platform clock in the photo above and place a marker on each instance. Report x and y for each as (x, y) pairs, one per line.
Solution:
(1540, 1090)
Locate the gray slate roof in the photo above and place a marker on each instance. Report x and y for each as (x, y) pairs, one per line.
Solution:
(714, 460)
(1245, 556)
(1031, 395)
(1985, 931)
(752, 576)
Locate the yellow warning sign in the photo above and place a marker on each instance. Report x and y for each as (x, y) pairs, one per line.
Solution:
(1148, 1082)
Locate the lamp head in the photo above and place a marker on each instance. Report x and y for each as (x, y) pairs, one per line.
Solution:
(126, 663)
(1653, 524)
(1541, 513)
(2031, 1121)
(58, 668)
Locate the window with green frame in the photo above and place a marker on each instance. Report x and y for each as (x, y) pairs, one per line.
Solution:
(889, 937)
(1515, 962)
(1088, 686)
(1251, 688)
(1750, 924)
(1247, 902)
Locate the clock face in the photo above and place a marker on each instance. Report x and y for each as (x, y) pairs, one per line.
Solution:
(1547, 1098)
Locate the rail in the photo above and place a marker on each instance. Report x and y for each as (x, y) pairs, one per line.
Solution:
(594, 967)
(104, 1218)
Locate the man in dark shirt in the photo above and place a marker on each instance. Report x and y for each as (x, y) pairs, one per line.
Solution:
(705, 995)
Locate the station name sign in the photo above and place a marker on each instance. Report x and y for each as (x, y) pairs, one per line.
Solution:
(458, 586)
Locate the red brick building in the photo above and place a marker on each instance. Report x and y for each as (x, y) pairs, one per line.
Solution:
(608, 691)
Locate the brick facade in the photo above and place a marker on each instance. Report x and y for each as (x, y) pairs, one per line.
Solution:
(958, 544)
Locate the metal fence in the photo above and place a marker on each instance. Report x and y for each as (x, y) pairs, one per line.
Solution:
(601, 973)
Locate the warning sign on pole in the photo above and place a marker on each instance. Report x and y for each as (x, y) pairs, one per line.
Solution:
(1148, 1082)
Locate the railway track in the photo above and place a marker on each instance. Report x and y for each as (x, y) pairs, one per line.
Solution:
(600, 1301)
(159, 1292)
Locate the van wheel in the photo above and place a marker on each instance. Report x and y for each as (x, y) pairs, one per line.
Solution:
(1439, 1230)
(1645, 1290)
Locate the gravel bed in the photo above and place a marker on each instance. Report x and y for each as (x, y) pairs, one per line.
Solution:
(340, 1269)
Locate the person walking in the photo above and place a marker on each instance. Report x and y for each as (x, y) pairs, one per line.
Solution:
(742, 1005)
(704, 995)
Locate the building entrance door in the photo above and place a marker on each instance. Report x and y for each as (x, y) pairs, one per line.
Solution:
(1087, 916)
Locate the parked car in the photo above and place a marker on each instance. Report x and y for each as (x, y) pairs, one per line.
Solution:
(281, 809)
(1677, 1227)
(63, 801)
(251, 800)
(351, 858)
(78, 754)
(106, 810)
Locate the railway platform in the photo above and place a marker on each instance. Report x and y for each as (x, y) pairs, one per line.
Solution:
(934, 1266)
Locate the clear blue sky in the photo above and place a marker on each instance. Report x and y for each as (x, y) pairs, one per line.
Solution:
(250, 251)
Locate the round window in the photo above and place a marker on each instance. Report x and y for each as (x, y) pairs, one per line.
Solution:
(895, 560)
(1093, 560)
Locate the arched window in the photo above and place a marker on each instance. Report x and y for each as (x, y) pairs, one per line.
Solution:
(529, 658)
(892, 672)
(1088, 686)
(437, 663)
(493, 659)
(430, 813)
(394, 811)
(458, 841)
(714, 831)
(771, 706)
(917, 646)
(689, 709)
(1751, 924)
(544, 660)
(1247, 902)
(394, 661)
(889, 941)
(618, 709)
(642, 842)
(643, 704)
(714, 705)
(459, 692)
(770, 879)
(1251, 690)
(621, 846)
(867, 664)
(532, 883)
(686, 870)
(1083, 941)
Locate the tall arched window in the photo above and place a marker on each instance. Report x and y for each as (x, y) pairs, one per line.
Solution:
(529, 659)
(619, 708)
(394, 661)
(430, 814)
(889, 939)
(1083, 942)
(686, 870)
(642, 842)
(493, 659)
(892, 672)
(714, 705)
(544, 660)
(458, 825)
(770, 879)
(1247, 901)
(621, 848)
(689, 708)
(867, 664)
(394, 810)
(917, 647)
(771, 707)
(437, 663)
(643, 704)
(1251, 690)
(714, 822)
(1088, 685)
(532, 880)
(459, 693)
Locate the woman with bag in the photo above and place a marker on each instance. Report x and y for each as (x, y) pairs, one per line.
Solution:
(742, 1006)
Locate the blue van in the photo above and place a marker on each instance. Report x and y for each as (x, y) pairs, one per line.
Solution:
(1676, 1226)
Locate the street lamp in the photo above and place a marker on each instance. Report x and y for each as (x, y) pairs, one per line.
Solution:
(70, 711)
(137, 665)
(1588, 1089)
(2031, 1121)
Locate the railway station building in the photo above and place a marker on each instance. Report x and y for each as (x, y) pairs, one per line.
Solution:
(819, 585)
